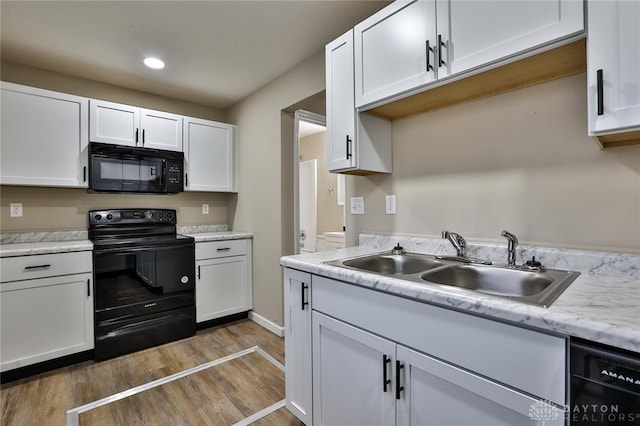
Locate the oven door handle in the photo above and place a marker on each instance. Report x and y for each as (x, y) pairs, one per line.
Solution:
(128, 250)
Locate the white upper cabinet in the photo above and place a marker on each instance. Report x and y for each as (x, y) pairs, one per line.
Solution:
(613, 66)
(476, 33)
(44, 137)
(410, 44)
(132, 126)
(357, 143)
(210, 156)
(391, 50)
(340, 103)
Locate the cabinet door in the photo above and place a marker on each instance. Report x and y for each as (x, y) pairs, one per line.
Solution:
(436, 393)
(392, 50)
(614, 55)
(297, 343)
(114, 123)
(45, 318)
(222, 287)
(349, 371)
(210, 156)
(341, 131)
(161, 130)
(44, 137)
(476, 33)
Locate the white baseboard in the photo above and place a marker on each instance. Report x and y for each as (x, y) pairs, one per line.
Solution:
(269, 325)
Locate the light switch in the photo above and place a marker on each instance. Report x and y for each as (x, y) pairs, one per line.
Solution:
(357, 205)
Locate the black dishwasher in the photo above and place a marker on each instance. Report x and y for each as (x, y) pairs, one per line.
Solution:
(605, 386)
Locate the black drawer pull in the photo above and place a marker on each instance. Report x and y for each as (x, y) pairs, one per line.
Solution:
(600, 83)
(429, 50)
(385, 380)
(302, 300)
(224, 249)
(33, 268)
(399, 388)
(441, 44)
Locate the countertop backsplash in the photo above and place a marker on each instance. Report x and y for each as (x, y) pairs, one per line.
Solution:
(584, 261)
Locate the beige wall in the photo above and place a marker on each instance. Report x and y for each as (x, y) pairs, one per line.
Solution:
(47, 209)
(264, 204)
(63, 208)
(521, 161)
(330, 214)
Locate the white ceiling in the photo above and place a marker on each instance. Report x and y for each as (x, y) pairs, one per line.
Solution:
(217, 52)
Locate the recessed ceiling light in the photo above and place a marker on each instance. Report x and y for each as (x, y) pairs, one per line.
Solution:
(154, 63)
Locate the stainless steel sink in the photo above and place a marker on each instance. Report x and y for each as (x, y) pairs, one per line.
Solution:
(539, 288)
(500, 281)
(393, 264)
(536, 287)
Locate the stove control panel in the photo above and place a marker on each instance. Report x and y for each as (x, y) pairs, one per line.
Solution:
(131, 217)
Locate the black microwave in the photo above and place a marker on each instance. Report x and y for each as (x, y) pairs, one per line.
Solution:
(117, 168)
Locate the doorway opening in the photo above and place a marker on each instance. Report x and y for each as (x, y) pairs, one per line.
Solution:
(318, 194)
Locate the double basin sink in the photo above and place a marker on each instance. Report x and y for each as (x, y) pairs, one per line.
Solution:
(537, 287)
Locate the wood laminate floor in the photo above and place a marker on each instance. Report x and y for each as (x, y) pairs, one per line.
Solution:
(220, 395)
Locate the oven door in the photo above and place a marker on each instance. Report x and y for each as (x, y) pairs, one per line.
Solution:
(128, 174)
(142, 281)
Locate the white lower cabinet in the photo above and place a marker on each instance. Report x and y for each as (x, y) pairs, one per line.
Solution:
(297, 343)
(223, 279)
(378, 359)
(46, 308)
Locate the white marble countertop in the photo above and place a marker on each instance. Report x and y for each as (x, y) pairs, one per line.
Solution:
(594, 307)
(219, 236)
(44, 247)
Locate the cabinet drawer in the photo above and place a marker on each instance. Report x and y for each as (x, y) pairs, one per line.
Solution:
(213, 249)
(44, 265)
(525, 359)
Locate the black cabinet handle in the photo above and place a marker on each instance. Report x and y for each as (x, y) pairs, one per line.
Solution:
(224, 249)
(440, 46)
(600, 83)
(385, 380)
(88, 288)
(399, 388)
(137, 135)
(349, 155)
(186, 179)
(84, 174)
(33, 268)
(198, 271)
(429, 50)
(302, 301)
(143, 137)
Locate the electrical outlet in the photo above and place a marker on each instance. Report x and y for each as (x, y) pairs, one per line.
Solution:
(390, 204)
(357, 205)
(205, 209)
(16, 209)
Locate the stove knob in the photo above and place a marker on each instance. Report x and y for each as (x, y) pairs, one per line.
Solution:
(160, 215)
(109, 216)
(169, 215)
(98, 217)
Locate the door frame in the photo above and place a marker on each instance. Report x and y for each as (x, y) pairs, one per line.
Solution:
(309, 117)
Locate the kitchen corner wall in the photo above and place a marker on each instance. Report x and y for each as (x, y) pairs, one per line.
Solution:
(520, 161)
(66, 208)
(264, 205)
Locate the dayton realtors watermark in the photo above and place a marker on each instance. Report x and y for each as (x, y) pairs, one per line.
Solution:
(582, 413)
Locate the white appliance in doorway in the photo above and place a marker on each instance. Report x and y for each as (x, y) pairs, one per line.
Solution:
(308, 205)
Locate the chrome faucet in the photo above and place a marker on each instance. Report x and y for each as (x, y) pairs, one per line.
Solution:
(512, 243)
(457, 241)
